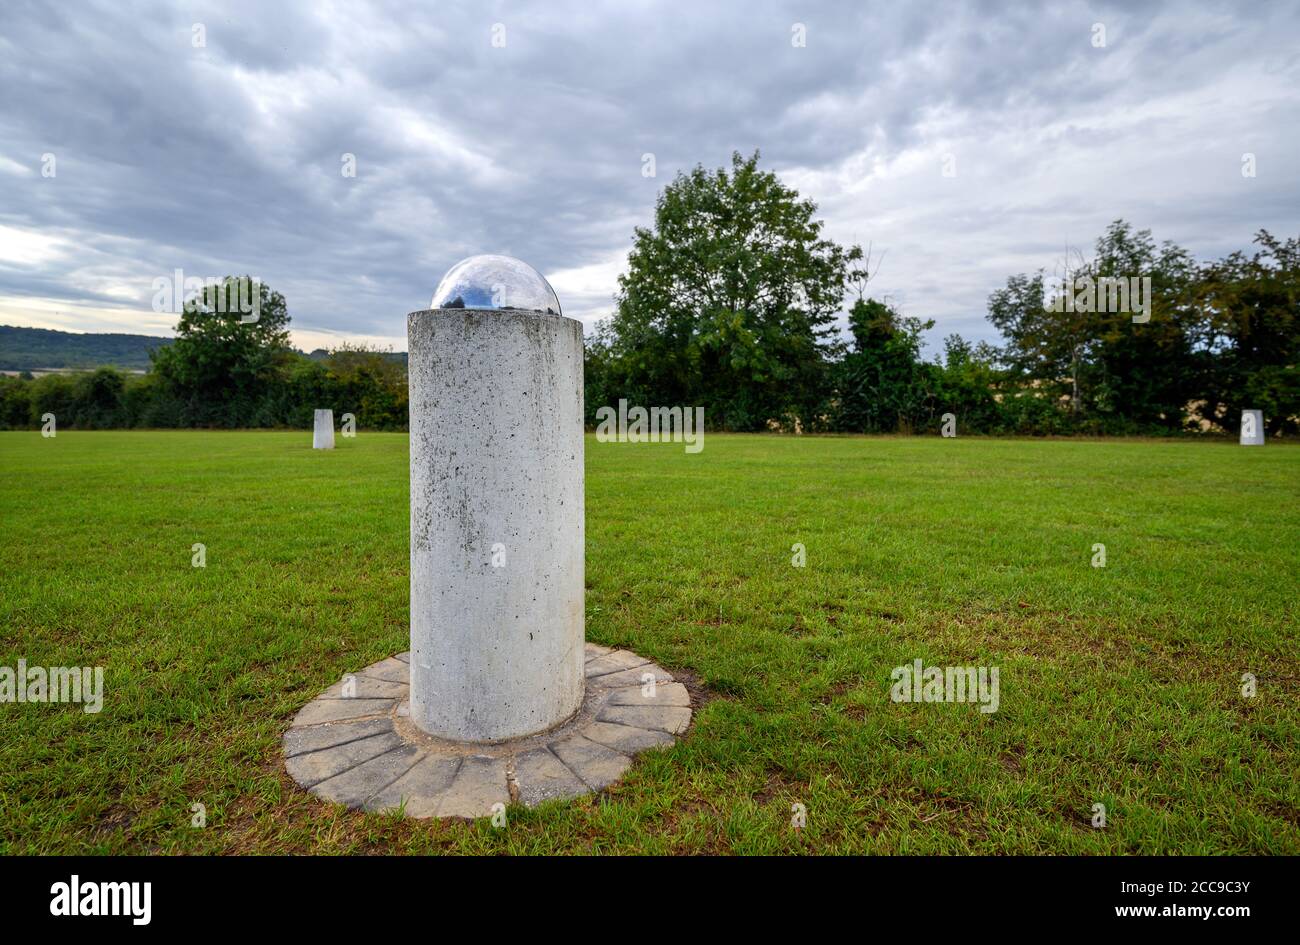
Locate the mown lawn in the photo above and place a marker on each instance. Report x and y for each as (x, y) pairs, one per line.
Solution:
(1119, 686)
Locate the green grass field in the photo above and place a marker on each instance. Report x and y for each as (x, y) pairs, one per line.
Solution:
(1119, 685)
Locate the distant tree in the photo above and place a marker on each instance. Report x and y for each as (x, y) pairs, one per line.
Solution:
(56, 394)
(1038, 345)
(15, 402)
(97, 403)
(369, 383)
(883, 383)
(1108, 370)
(1252, 306)
(599, 385)
(729, 301)
(1146, 373)
(219, 366)
(965, 384)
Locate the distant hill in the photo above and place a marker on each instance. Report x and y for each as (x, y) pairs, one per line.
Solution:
(320, 354)
(29, 349)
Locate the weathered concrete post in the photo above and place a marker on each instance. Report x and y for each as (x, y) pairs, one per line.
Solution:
(322, 437)
(1252, 428)
(497, 567)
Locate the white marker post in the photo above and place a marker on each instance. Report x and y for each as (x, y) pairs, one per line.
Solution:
(322, 437)
(1252, 428)
(497, 566)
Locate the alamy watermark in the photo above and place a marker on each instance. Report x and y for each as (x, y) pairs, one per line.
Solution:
(208, 294)
(102, 899)
(84, 684)
(1116, 295)
(655, 425)
(916, 683)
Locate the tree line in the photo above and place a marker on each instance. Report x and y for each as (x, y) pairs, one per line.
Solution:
(732, 300)
(219, 372)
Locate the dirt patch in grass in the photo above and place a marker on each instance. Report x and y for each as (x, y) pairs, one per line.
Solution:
(1012, 761)
(700, 694)
(778, 786)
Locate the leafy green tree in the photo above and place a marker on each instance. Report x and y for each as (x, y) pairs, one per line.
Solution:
(371, 384)
(97, 401)
(1252, 304)
(966, 385)
(15, 402)
(1109, 372)
(56, 394)
(729, 301)
(1148, 372)
(883, 384)
(221, 364)
(599, 385)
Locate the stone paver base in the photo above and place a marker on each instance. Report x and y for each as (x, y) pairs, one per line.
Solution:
(362, 750)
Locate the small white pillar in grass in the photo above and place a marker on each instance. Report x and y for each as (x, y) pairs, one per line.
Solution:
(322, 437)
(1252, 428)
(497, 568)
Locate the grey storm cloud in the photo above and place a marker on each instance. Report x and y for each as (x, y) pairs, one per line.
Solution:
(226, 157)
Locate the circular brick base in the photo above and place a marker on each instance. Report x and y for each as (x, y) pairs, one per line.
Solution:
(362, 750)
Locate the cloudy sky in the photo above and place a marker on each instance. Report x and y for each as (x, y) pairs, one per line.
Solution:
(212, 138)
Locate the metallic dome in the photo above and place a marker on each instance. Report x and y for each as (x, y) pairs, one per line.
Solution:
(495, 282)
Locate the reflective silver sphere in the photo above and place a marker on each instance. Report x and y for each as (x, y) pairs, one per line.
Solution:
(495, 282)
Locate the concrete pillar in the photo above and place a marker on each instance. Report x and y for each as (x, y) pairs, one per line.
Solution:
(497, 531)
(1252, 428)
(322, 437)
